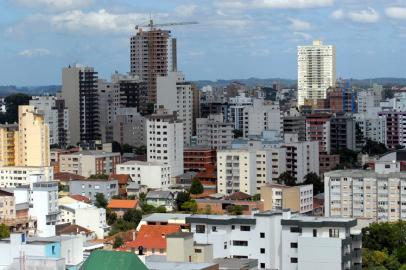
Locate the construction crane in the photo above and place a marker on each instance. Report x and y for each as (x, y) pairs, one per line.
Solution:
(151, 24)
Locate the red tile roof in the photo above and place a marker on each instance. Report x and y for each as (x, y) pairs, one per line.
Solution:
(152, 236)
(80, 198)
(122, 204)
(238, 196)
(65, 176)
(122, 179)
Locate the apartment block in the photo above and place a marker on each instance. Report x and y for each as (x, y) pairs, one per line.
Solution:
(316, 71)
(154, 175)
(372, 126)
(236, 171)
(213, 132)
(379, 196)
(199, 159)
(261, 116)
(394, 123)
(129, 127)
(342, 132)
(318, 129)
(56, 115)
(7, 206)
(297, 198)
(236, 106)
(165, 140)
(14, 176)
(280, 240)
(175, 94)
(90, 187)
(8, 138)
(294, 122)
(87, 163)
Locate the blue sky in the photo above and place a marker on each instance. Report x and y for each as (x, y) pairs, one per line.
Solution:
(234, 38)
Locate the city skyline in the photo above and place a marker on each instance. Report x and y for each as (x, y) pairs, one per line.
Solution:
(234, 39)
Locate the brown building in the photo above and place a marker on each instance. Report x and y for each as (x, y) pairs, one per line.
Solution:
(328, 162)
(297, 198)
(203, 161)
(318, 129)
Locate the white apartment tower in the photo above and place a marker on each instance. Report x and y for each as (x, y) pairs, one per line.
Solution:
(165, 140)
(316, 71)
(176, 95)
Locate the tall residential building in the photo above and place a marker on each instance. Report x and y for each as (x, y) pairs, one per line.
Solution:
(375, 195)
(106, 97)
(79, 90)
(318, 129)
(32, 140)
(129, 127)
(153, 54)
(316, 71)
(176, 95)
(165, 140)
(56, 116)
(261, 116)
(214, 132)
(236, 110)
(8, 138)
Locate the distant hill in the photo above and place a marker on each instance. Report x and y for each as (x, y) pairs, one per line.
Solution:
(250, 82)
(30, 90)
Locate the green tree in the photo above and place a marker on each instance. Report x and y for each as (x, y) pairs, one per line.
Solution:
(181, 198)
(348, 158)
(392, 263)
(315, 180)
(161, 209)
(374, 148)
(286, 179)
(4, 231)
(12, 102)
(142, 196)
(99, 176)
(148, 209)
(111, 217)
(101, 201)
(133, 216)
(196, 187)
(189, 206)
(118, 242)
(126, 148)
(234, 209)
(141, 150)
(401, 254)
(384, 235)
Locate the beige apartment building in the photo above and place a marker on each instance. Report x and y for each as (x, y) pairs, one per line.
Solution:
(380, 196)
(26, 144)
(7, 206)
(87, 163)
(297, 199)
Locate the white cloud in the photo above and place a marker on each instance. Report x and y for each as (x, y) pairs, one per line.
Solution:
(338, 14)
(30, 53)
(238, 4)
(100, 21)
(299, 25)
(55, 4)
(186, 10)
(368, 15)
(302, 35)
(396, 12)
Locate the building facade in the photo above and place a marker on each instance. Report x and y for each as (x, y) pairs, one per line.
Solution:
(213, 132)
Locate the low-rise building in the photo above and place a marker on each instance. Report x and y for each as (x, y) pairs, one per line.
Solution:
(297, 198)
(85, 215)
(90, 187)
(87, 163)
(121, 206)
(7, 206)
(280, 240)
(151, 174)
(158, 198)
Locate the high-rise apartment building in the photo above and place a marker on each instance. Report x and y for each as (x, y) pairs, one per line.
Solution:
(32, 142)
(316, 71)
(214, 132)
(56, 116)
(8, 138)
(175, 94)
(79, 90)
(153, 54)
(165, 140)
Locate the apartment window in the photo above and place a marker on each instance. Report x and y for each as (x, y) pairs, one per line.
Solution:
(232, 227)
(295, 230)
(214, 229)
(200, 229)
(293, 260)
(262, 251)
(293, 245)
(262, 265)
(240, 243)
(245, 228)
(262, 235)
(198, 250)
(225, 245)
(314, 232)
(334, 233)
